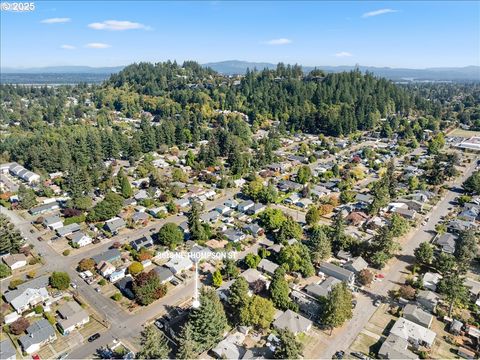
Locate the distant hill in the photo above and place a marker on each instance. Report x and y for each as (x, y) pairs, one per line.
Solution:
(76, 74)
(468, 73)
(63, 70)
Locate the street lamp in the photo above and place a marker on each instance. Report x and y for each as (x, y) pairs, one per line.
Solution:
(196, 301)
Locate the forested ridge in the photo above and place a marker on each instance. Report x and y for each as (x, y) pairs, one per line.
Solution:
(78, 127)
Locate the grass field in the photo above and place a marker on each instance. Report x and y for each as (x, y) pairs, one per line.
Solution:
(464, 133)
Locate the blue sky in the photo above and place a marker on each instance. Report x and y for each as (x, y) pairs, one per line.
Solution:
(110, 33)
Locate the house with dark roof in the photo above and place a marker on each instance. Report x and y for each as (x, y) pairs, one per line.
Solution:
(428, 300)
(322, 289)
(72, 316)
(38, 334)
(417, 315)
(267, 266)
(115, 225)
(125, 286)
(446, 242)
(108, 255)
(144, 242)
(293, 321)
(164, 274)
(44, 208)
(338, 272)
(356, 265)
(396, 348)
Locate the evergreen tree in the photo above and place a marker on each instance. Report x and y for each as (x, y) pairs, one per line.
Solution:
(289, 347)
(319, 245)
(154, 344)
(238, 293)
(197, 231)
(26, 197)
(187, 348)
(208, 321)
(338, 306)
(10, 238)
(279, 290)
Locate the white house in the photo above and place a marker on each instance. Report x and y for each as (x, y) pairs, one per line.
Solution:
(15, 261)
(53, 222)
(178, 264)
(117, 275)
(72, 316)
(81, 239)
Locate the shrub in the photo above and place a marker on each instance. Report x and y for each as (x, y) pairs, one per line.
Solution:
(38, 309)
(117, 296)
(31, 274)
(135, 268)
(4, 271)
(86, 264)
(60, 280)
(102, 282)
(14, 283)
(66, 252)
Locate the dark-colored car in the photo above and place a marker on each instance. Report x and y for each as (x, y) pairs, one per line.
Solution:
(339, 355)
(93, 337)
(40, 238)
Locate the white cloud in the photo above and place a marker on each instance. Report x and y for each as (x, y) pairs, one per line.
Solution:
(97, 46)
(116, 25)
(281, 41)
(343, 54)
(56, 20)
(378, 12)
(68, 47)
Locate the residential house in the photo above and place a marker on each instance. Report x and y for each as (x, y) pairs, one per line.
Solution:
(253, 275)
(356, 265)
(7, 350)
(144, 242)
(322, 289)
(396, 348)
(178, 264)
(105, 269)
(222, 209)
(470, 212)
(413, 204)
(292, 199)
(234, 235)
(457, 226)
(182, 203)
(164, 274)
(118, 274)
(53, 222)
(15, 261)
(72, 316)
(157, 210)
(230, 347)
(231, 203)
(287, 185)
(115, 225)
(68, 229)
(28, 294)
(44, 208)
(38, 334)
(307, 304)
(139, 217)
(210, 217)
(253, 229)
(267, 266)
(356, 218)
(364, 198)
(415, 334)
(446, 242)
(293, 321)
(109, 255)
(319, 191)
(427, 300)
(338, 272)
(304, 203)
(405, 213)
(256, 209)
(125, 286)
(418, 316)
(245, 205)
(430, 280)
(80, 239)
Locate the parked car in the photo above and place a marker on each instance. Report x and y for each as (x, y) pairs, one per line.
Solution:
(35, 357)
(339, 355)
(40, 238)
(63, 356)
(93, 337)
(360, 355)
(73, 285)
(377, 302)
